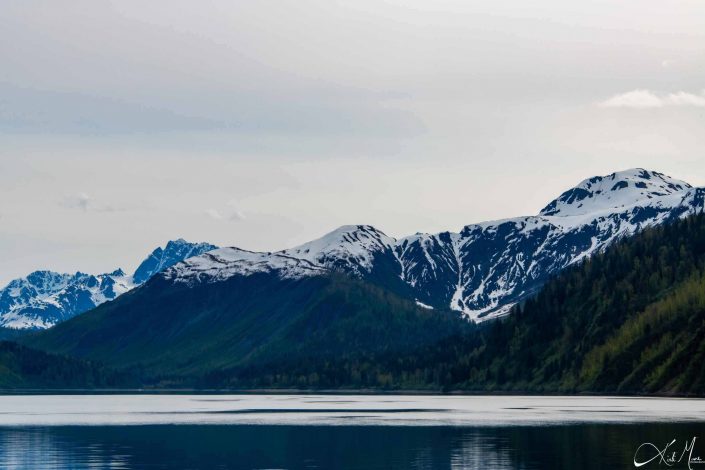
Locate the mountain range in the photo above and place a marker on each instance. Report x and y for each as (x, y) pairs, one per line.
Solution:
(45, 298)
(480, 271)
(357, 292)
(486, 268)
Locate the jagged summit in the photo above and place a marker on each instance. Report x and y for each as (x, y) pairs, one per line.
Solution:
(619, 190)
(163, 258)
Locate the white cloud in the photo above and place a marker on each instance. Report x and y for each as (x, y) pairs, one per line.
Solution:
(645, 99)
(686, 99)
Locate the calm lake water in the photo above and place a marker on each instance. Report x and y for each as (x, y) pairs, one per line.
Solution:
(344, 432)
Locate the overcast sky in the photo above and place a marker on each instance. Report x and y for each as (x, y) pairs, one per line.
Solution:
(263, 124)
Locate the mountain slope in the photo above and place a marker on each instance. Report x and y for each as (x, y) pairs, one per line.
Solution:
(630, 320)
(45, 298)
(486, 268)
(176, 331)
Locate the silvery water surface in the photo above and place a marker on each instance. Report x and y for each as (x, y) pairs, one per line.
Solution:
(345, 431)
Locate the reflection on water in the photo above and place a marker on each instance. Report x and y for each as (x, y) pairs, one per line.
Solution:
(26, 448)
(575, 446)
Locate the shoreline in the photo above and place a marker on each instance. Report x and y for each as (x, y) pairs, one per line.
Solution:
(353, 392)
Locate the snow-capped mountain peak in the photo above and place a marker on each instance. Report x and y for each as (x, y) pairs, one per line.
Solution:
(347, 247)
(616, 191)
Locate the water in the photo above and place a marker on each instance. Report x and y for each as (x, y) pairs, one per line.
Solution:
(341, 432)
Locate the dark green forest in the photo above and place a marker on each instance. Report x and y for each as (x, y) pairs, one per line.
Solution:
(22, 367)
(173, 336)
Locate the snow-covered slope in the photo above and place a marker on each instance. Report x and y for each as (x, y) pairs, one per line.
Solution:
(351, 248)
(618, 191)
(221, 264)
(493, 265)
(45, 298)
(485, 268)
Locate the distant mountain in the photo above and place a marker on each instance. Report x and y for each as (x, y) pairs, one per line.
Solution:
(45, 298)
(486, 268)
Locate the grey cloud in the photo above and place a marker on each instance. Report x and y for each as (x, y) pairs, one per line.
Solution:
(231, 213)
(81, 201)
(146, 77)
(85, 203)
(235, 212)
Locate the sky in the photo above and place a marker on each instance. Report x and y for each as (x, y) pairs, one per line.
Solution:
(266, 124)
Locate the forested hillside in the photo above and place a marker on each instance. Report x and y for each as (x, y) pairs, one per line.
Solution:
(174, 335)
(629, 320)
(26, 368)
